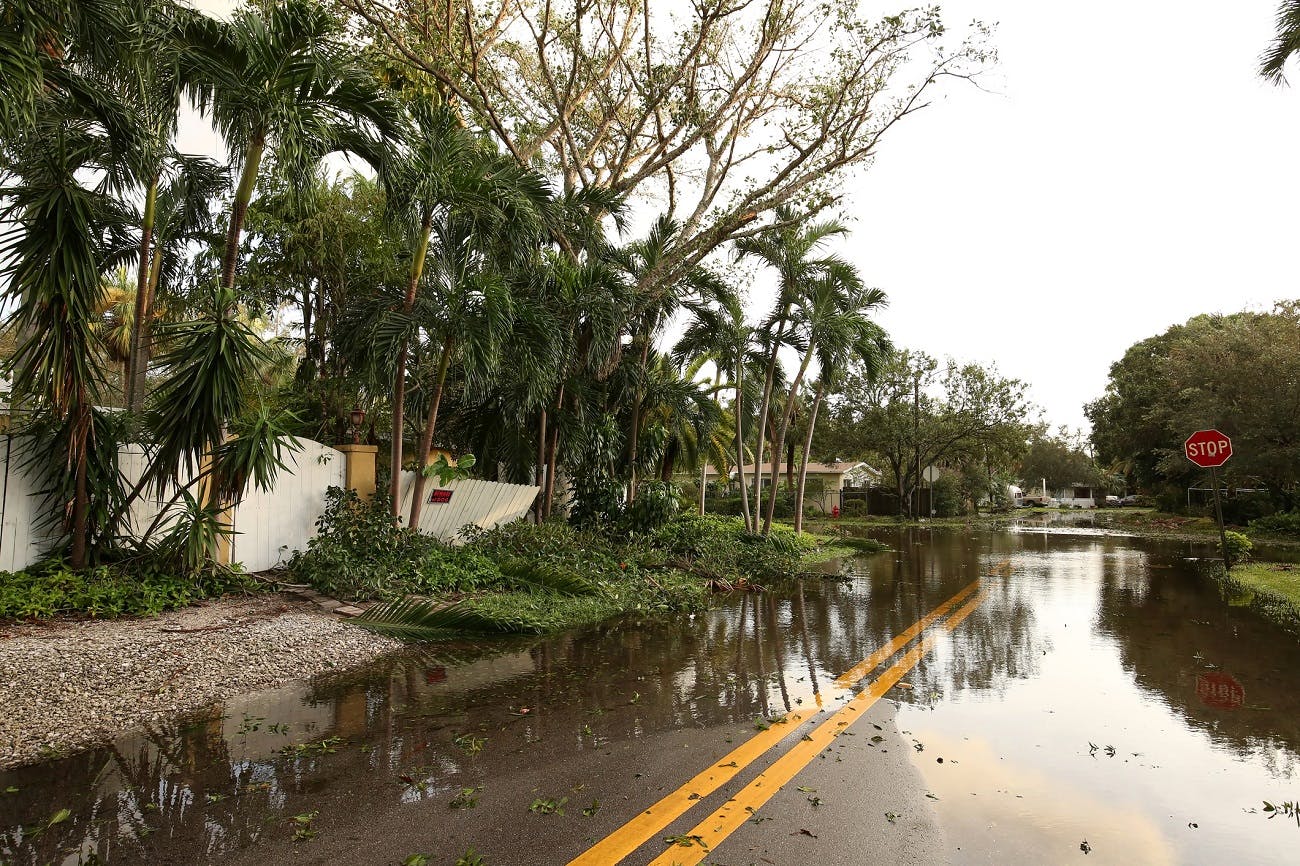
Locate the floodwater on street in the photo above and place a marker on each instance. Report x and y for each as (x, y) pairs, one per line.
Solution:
(1099, 702)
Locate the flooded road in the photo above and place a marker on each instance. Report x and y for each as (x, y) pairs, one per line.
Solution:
(1092, 699)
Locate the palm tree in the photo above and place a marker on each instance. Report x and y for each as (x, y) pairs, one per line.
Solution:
(284, 83)
(443, 178)
(654, 304)
(53, 53)
(720, 334)
(789, 247)
(181, 214)
(682, 410)
(148, 78)
(1286, 43)
(590, 300)
(55, 243)
(845, 333)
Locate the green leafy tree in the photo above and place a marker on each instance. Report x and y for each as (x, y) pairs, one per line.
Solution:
(1238, 373)
(1061, 462)
(916, 414)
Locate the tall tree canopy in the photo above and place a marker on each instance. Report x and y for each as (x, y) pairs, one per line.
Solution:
(1239, 373)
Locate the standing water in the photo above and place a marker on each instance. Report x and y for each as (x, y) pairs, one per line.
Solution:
(1102, 703)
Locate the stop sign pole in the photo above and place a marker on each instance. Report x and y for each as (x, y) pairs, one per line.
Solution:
(1210, 449)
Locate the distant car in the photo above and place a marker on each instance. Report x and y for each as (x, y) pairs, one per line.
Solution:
(1131, 499)
(1112, 500)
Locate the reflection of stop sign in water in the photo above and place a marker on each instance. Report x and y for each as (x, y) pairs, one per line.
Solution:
(1220, 691)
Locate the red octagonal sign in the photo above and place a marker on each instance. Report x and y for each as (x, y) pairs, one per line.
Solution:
(1208, 448)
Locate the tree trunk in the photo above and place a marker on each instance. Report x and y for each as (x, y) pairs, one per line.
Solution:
(426, 440)
(81, 496)
(539, 475)
(789, 465)
(780, 437)
(803, 461)
(761, 427)
(399, 375)
(635, 431)
(137, 360)
(740, 444)
(550, 455)
(239, 209)
(669, 461)
(704, 480)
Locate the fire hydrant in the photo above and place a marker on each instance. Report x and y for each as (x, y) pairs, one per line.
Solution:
(835, 511)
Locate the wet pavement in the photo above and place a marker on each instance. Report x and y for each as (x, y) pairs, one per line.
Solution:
(1093, 700)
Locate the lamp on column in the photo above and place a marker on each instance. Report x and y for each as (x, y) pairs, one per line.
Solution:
(357, 417)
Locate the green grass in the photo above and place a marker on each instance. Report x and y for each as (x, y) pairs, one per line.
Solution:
(1279, 578)
(1270, 589)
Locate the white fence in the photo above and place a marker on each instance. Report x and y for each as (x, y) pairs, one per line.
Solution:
(269, 525)
(21, 541)
(448, 507)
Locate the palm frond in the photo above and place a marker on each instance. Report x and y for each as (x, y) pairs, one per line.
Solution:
(416, 618)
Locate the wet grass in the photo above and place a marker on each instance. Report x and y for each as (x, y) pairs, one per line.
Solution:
(1270, 589)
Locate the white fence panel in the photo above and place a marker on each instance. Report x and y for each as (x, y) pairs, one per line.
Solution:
(21, 543)
(132, 461)
(483, 503)
(270, 525)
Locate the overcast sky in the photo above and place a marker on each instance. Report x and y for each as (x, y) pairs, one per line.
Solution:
(1127, 171)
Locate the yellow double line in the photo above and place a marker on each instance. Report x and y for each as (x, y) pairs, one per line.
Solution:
(632, 835)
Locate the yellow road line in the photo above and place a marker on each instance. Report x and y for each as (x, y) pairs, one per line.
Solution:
(635, 832)
(710, 832)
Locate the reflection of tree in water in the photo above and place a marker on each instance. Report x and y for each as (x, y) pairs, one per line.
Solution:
(1162, 615)
(998, 641)
(156, 797)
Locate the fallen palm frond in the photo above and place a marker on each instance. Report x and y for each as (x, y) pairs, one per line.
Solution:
(427, 619)
(545, 577)
(866, 545)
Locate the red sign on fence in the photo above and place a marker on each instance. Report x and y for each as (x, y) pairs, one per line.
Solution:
(1220, 691)
(439, 496)
(1208, 448)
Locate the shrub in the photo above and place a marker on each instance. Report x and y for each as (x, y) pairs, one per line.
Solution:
(1239, 546)
(1241, 510)
(1282, 523)
(656, 503)
(108, 591)
(946, 495)
(360, 552)
(854, 508)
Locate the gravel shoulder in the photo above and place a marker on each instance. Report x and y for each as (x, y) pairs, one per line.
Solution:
(68, 685)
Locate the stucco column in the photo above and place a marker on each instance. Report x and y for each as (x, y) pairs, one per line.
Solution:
(359, 468)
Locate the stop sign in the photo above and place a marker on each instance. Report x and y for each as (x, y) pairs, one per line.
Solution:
(1208, 448)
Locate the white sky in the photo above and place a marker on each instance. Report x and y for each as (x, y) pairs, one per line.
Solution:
(1127, 172)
